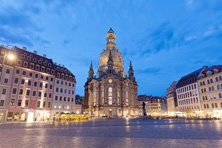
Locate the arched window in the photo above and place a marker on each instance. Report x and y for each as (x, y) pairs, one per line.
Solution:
(127, 100)
(110, 95)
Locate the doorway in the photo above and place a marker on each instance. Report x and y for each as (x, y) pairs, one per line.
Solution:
(110, 112)
(30, 116)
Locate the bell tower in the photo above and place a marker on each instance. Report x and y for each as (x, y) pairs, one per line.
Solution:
(111, 39)
(91, 72)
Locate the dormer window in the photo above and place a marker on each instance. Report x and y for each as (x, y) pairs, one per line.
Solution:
(49, 64)
(29, 58)
(45, 63)
(43, 69)
(34, 60)
(22, 56)
(32, 66)
(37, 67)
(19, 63)
(25, 64)
(40, 62)
(52, 72)
(62, 76)
(208, 73)
(48, 70)
(58, 75)
(215, 71)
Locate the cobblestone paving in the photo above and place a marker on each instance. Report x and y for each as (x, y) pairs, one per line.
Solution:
(116, 133)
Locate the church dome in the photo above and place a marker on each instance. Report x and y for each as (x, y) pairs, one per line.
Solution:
(117, 57)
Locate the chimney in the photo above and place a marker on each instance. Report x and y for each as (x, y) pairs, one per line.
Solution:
(55, 63)
(2, 46)
(24, 48)
(35, 52)
(63, 66)
(59, 64)
(44, 55)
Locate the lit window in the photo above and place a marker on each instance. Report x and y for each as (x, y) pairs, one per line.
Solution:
(110, 96)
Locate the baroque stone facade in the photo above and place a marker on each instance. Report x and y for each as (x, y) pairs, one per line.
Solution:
(111, 93)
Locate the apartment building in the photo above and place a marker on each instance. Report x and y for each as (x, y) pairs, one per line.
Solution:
(188, 97)
(172, 105)
(64, 91)
(32, 87)
(210, 90)
(158, 106)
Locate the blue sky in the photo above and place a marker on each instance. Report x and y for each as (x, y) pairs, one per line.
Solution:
(164, 39)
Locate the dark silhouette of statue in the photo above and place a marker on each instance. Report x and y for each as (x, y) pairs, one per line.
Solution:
(144, 109)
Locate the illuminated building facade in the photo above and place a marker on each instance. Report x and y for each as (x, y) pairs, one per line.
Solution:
(210, 90)
(64, 91)
(32, 87)
(158, 106)
(28, 84)
(6, 75)
(188, 97)
(111, 93)
(172, 105)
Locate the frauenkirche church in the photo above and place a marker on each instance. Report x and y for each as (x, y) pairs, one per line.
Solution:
(111, 93)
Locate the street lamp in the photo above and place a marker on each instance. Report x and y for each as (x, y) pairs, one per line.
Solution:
(10, 57)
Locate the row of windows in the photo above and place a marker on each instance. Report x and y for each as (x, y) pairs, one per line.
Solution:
(187, 88)
(35, 75)
(59, 106)
(57, 98)
(188, 94)
(19, 103)
(40, 61)
(33, 93)
(188, 101)
(66, 77)
(189, 108)
(65, 91)
(211, 80)
(205, 97)
(66, 84)
(203, 90)
(25, 64)
(213, 105)
(34, 84)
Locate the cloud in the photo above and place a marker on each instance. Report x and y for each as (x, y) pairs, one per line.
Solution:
(157, 40)
(189, 3)
(190, 38)
(148, 70)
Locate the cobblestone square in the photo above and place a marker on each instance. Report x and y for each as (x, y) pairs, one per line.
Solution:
(115, 133)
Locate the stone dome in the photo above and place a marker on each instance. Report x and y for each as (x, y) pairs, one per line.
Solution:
(117, 57)
(117, 60)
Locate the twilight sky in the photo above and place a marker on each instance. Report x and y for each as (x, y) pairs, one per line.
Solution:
(164, 39)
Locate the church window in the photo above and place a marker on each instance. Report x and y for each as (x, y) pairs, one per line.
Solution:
(127, 100)
(110, 95)
(102, 101)
(118, 97)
